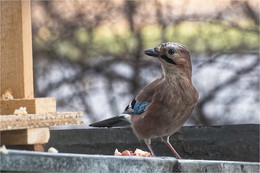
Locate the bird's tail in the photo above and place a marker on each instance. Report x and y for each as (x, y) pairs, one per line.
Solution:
(117, 121)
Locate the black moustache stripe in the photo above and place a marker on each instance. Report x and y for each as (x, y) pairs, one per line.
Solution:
(169, 60)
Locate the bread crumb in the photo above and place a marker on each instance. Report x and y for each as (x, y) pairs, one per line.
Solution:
(117, 153)
(7, 95)
(138, 152)
(52, 150)
(127, 153)
(20, 111)
(4, 150)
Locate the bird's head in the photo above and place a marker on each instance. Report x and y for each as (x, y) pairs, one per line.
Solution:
(174, 58)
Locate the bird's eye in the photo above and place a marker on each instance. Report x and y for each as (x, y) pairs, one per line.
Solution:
(171, 51)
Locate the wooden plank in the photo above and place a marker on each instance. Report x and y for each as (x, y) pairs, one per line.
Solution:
(33, 147)
(39, 124)
(33, 106)
(26, 136)
(45, 105)
(12, 122)
(16, 69)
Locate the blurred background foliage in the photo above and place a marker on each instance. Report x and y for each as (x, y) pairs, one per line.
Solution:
(89, 54)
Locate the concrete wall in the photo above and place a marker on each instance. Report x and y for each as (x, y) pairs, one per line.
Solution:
(28, 161)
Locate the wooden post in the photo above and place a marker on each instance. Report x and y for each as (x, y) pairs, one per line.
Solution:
(16, 73)
(16, 67)
(16, 48)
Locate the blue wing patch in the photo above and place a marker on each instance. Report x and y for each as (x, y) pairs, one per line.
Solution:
(140, 107)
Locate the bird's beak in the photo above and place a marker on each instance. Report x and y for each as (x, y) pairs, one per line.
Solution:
(152, 52)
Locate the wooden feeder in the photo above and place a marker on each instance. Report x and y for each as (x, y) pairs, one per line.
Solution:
(29, 131)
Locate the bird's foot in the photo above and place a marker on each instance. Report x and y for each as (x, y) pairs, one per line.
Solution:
(177, 155)
(148, 143)
(166, 140)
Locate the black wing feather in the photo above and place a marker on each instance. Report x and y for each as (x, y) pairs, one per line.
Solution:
(112, 122)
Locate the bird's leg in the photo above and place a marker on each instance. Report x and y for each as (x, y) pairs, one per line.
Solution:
(148, 143)
(166, 140)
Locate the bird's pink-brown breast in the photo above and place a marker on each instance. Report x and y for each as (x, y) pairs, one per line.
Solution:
(172, 103)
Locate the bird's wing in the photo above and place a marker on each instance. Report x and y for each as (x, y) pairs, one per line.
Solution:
(143, 99)
(136, 107)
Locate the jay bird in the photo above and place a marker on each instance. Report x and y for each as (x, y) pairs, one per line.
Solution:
(162, 107)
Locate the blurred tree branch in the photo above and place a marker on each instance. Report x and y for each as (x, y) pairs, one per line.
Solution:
(83, 42)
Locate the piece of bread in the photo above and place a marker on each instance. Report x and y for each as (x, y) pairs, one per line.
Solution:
(7, 95)
(20, 111)
(138, 152)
